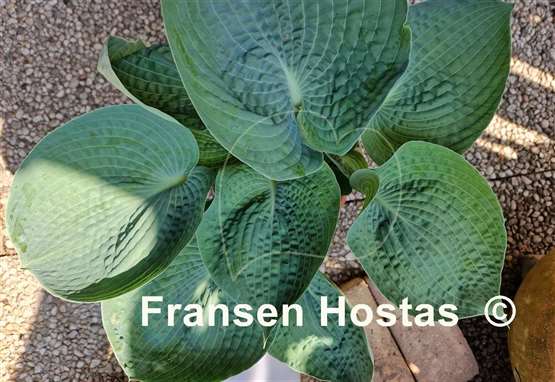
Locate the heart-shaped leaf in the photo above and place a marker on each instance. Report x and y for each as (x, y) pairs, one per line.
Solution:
(148, 76)
(337, 353)
(278, 82)
(159, 352)
(263, 240)
(433, 231)
(105, 202)
(459, 63)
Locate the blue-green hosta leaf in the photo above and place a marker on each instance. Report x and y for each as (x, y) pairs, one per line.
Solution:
(459, 63)
(159, 352)
(278, 82)
(433, 230)
(263, 240)
(149, 77)
(105, 202)
(331, 353)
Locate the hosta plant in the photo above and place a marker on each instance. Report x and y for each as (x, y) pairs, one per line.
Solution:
(222, 184)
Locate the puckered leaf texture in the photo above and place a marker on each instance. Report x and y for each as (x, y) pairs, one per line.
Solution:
(459, 63)
(279, 82)
(433, 230)
(105, 202)
(149, 77)
(263, 240)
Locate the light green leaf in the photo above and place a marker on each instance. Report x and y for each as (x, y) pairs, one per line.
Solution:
(148, 76)
(105, 202)
(263, 240)
(459, 63)
(159, 352)
(433, 231)
(344, 166)
(331, 353)
(278, 82)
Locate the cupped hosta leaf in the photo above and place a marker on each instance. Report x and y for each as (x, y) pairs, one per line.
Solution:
(263, 240)
(344, 166)
(149, 77)
(105, 202)
(433, 231)
(278, 82)
(331, 353)
(459, 63)
(159, 352)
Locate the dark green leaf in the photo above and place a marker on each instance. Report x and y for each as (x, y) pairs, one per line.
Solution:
(148, 76)
(159, 352)
(263, 240)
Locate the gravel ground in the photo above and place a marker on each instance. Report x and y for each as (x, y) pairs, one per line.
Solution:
(48, 75)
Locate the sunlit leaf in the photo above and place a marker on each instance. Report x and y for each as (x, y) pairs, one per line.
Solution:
(336, 352)
(433, 230)
(459, 63)
(105, 202)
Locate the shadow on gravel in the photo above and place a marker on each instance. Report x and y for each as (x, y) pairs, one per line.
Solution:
(67, 343)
